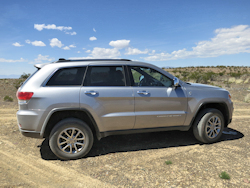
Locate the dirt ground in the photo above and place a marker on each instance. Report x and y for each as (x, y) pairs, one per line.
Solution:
(129, 160)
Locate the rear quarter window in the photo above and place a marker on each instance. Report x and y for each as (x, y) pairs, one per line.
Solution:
(67, 77)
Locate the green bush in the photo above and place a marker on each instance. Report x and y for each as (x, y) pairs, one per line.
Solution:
(224, 175)
(18, 83)
(168, 162)
(222, 73)
(8, 98)
(24, 76)
(234, 74)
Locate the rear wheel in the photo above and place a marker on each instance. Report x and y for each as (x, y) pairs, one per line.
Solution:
(71, 139)
(208, 125)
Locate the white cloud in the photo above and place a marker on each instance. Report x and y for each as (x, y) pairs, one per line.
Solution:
(94, 30)
(38, 43)
(2, 60)
(119, 43)
(66, 29)
(152, 52)
(40, 27)
(35, 43)
(101, 53)
(227, 41)
(42, 59)
(66, 48)
(105, 53)
(78, 52)
(55, 42)
(71, 33)
(135, 51)
(17, 44)
(92, 38)
(28, 41)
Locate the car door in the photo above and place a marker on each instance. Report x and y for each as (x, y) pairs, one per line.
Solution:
(107, 97)
(157, 102)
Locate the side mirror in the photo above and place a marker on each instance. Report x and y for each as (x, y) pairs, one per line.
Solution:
(176, 82)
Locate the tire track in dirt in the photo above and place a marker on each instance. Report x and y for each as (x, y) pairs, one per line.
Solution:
(29, 171)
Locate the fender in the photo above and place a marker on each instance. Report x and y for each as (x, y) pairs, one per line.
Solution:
(69, 109)
(225, 114)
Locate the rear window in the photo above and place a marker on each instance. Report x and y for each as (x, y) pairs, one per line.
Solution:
(105, 76)
(67, 77)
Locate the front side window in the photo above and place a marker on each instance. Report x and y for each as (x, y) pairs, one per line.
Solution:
(67, 77)
(145, 76)
(105, 76)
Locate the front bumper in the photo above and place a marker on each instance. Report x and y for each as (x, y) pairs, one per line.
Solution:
(31, 134)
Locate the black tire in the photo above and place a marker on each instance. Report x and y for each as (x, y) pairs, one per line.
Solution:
(205, 128)
(71, 138)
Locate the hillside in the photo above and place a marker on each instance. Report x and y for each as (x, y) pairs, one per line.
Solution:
(235, 79)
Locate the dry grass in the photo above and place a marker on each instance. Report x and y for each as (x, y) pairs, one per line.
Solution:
(247, 98)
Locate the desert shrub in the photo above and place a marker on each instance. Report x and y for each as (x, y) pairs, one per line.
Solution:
(24, 76)
(221, 66)
(195, 76)
(209, 76)
(18, 83)
(184, 74)
(202, 77)
(222, 73)
(168, 162)
(235, 74)
(247, 98)
(224, 175)
(8, 98)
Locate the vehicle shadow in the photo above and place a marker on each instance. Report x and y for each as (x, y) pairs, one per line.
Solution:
(143, 141)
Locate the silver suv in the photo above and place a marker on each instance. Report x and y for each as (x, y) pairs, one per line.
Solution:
(72, 101)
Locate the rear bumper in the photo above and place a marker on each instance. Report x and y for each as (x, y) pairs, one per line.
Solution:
(28, 123)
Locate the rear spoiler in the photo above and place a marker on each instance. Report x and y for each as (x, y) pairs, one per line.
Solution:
(39, 66)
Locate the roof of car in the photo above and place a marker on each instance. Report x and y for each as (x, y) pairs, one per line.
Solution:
(75, 60)
(96, 62)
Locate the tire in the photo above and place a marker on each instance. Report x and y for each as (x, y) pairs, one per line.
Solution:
(208, 125)
(71, 138)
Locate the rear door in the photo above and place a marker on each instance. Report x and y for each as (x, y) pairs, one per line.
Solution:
(157, 103)
(106, 95)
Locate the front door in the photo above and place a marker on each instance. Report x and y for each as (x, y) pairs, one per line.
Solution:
(157, 102)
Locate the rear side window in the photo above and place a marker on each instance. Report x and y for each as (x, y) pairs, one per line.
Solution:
(67, 77)
(105, 76)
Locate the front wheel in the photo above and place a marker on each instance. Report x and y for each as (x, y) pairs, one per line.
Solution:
(208, 125)
(71, 139)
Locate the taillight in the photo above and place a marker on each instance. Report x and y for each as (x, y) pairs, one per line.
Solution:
(24, 95)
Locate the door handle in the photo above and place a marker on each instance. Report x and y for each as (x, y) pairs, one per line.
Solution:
(91, 92)
(143, 92)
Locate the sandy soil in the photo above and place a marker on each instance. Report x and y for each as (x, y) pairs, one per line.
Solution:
(129, 160)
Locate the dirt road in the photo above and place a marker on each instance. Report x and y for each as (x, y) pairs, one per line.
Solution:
(129, 160)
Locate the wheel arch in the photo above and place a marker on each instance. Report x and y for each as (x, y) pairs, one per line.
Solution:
(221, 106)
(59, 114)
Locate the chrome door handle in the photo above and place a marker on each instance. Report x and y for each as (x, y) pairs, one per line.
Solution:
(143, 92)
(91, 92)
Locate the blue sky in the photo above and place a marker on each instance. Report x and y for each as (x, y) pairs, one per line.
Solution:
(162, 32)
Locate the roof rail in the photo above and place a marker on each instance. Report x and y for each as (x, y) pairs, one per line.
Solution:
(74, 60)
